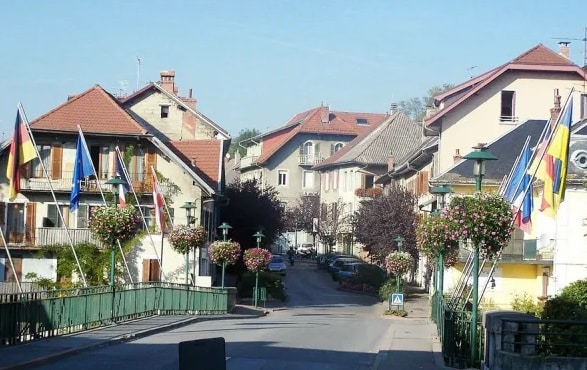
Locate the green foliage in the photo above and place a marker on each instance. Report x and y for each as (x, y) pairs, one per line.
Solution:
(388, 287)
(244, 134)
(400, 313)
(300, 216)
(185, 238)
(399, 263)
(371, 275)
(415, 108)
(571, 304)
(434, 235)
(272, 282)
(526, 304)
(43, 282)
(109, 224)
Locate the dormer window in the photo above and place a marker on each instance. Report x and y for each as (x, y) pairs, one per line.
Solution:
(362, 121)
(335, 148)
(164, 111)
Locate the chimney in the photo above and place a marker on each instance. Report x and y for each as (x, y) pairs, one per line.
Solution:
(325, 114)
(193, 162)
(168, 81)
(556, 110)
(564, 49)
(390, 163)
(392, 108)
(457, 157)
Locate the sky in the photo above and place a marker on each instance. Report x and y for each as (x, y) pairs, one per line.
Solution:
(254, 64)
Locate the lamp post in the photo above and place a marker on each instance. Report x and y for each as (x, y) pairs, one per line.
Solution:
(400, 242)
(224, 227)
(188, 206)
(479, 155)
(440, 192)
(259, 235)
(115, 182)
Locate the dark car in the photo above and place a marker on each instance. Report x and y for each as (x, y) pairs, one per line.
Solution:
(338, 263)
(348, 271)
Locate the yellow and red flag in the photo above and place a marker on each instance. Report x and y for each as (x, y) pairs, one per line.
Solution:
(158, 202)
(21, 152)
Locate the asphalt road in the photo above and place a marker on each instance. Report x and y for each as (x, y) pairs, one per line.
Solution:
(319, 327)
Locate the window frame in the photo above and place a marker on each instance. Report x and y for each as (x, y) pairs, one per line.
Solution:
(285, 174)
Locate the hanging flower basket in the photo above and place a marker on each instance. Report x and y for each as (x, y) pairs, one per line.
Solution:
(399, 263)
(224, 252)
(184, 238)
(485, 219)
(437, 234)
(108, 224)
(257, 259)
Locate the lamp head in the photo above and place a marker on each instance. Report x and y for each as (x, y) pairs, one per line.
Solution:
(480, 155)
(115, 182)
(224, 226)
(399, 240)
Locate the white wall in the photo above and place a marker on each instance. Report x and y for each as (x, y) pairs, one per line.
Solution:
(43, 267)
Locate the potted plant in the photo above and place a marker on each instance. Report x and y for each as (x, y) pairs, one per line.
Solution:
(224, 253)
(256, 260)
(184, 238)
(109, 224)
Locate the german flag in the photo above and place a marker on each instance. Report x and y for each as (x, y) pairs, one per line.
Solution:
(21, 152)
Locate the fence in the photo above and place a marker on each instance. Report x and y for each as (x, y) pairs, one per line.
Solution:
(29, 316)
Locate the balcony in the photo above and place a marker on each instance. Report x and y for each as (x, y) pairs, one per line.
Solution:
(508, 119)
(368, 192)
(87, 185)
(58, 235)
(309, 159)
(248, 161)
(523, 251)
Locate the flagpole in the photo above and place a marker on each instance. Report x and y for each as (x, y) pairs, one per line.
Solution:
(10, 260)
(164, 203)
(26, 124)
(154, 174)
(126, 174)
(99, 185)
(514, 167)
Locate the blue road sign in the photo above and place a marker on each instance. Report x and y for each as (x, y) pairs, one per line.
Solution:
(397, 299)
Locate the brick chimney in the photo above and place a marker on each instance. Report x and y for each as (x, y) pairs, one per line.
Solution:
(563, 49)
(390, 163)
(190, 101)
(324, 114)
(457, 157)
(556, 110)
(168, 81)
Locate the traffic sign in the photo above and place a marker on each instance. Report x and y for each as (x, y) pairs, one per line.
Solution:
(397, 299)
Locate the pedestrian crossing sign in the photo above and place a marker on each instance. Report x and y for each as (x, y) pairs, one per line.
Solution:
(397, 299)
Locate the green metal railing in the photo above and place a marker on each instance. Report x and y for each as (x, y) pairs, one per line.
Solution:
(29, 316)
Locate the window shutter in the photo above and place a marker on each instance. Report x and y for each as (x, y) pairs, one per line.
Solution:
(331, 149)
(151, 163)
(30, 223)
(2, 214)
(82, 216)
(146, 270)
(425, 177)
(317, 149)
(56, 161)
(302, 149)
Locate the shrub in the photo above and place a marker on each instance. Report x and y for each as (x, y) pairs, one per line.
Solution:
(108, 224)
(371, 275)
(399, 263)
(257, 259)
(387, 288)
(184, 238)
(224, 252)
(272, 282)
(526, 304)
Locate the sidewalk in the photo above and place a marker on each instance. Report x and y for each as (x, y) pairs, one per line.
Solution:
(413, 340)
(36, 353)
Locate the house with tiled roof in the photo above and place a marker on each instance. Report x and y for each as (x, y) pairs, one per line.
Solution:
(33, 219)
(348, 176)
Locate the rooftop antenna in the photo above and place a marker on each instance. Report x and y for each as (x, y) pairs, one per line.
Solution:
(470, 69)
(122, 88)
(584, 39)
(138, 72)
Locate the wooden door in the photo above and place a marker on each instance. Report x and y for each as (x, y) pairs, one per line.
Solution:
(150, 270)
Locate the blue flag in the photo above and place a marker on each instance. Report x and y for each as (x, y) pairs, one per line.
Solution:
(520, 194)
(82, 168)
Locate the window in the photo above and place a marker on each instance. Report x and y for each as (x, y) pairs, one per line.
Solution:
(583, 106)
(335, 148)
(367, 181)
(100, 156)
(362, 121)
(164, 111)
(44, 158)
(508, 106)
(54, 220)
(282, 178)
(308, 179)
(136, 167)
(308, 148)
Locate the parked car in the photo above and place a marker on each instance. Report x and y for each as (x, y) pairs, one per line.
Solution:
(277, 265)
(348, 270)
(338, 263)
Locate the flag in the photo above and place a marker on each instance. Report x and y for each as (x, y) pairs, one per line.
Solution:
(519, 192)
(553, 168)
(158, 202)
(21, 152)
(82, 168)
(123, 188)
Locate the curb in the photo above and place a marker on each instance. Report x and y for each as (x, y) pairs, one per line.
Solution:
(124, 338)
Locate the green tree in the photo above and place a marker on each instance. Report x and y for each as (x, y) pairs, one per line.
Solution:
(415, 108)
(244, 134)
(301, 215)
(380, 220)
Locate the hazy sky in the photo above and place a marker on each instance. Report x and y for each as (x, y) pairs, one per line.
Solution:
(254, 64)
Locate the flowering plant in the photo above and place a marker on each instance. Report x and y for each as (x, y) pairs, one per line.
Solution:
(108, 224)
(485, 219)
(368, 192)
(398, 263)
(257, 259)
(183, 238)
(437, 234)
(224, 252)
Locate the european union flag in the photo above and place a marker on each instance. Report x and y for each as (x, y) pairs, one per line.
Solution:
(82, 168)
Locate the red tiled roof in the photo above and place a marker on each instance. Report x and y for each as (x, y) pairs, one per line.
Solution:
(340, 123)
(539, 58)
(95, 110)
(204, 154)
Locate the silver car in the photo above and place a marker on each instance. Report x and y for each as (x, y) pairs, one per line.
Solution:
(277, 265)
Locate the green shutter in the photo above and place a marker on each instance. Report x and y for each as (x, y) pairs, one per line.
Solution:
(82, 216)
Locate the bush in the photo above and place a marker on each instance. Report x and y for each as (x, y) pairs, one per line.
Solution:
(273, 283)
(371, 275)
(526, 304)
(387, 288)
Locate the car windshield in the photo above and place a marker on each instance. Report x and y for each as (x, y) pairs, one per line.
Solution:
(276, 259)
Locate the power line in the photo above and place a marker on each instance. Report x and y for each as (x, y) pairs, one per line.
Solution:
(584, 39)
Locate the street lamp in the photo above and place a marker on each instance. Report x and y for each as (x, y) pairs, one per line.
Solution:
(400, 242)
(188, 206)
(259, 235)
(115, 182)
(440, 192)
(225, 227)
(479, 155)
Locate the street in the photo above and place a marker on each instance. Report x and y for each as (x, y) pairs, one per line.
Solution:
(319, 327)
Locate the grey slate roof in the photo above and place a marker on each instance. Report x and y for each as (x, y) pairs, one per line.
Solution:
(397, 136)
(506, 148)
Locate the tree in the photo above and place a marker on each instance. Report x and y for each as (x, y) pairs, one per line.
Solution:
(415, 108)
(380, 220)
(250, 209)
(302, 214)
(244, 134)
(333, 219)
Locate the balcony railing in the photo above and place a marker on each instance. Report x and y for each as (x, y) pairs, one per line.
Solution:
(58, 235)
(518, 250)
(310, 159)
(90, 185)
(248, 161)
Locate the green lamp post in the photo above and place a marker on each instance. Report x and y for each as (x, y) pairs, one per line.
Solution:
(440, 192)
(400, 242)
(115, 182)
(259, 235)
(479, 155)
(224, 227)
(188, 206)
